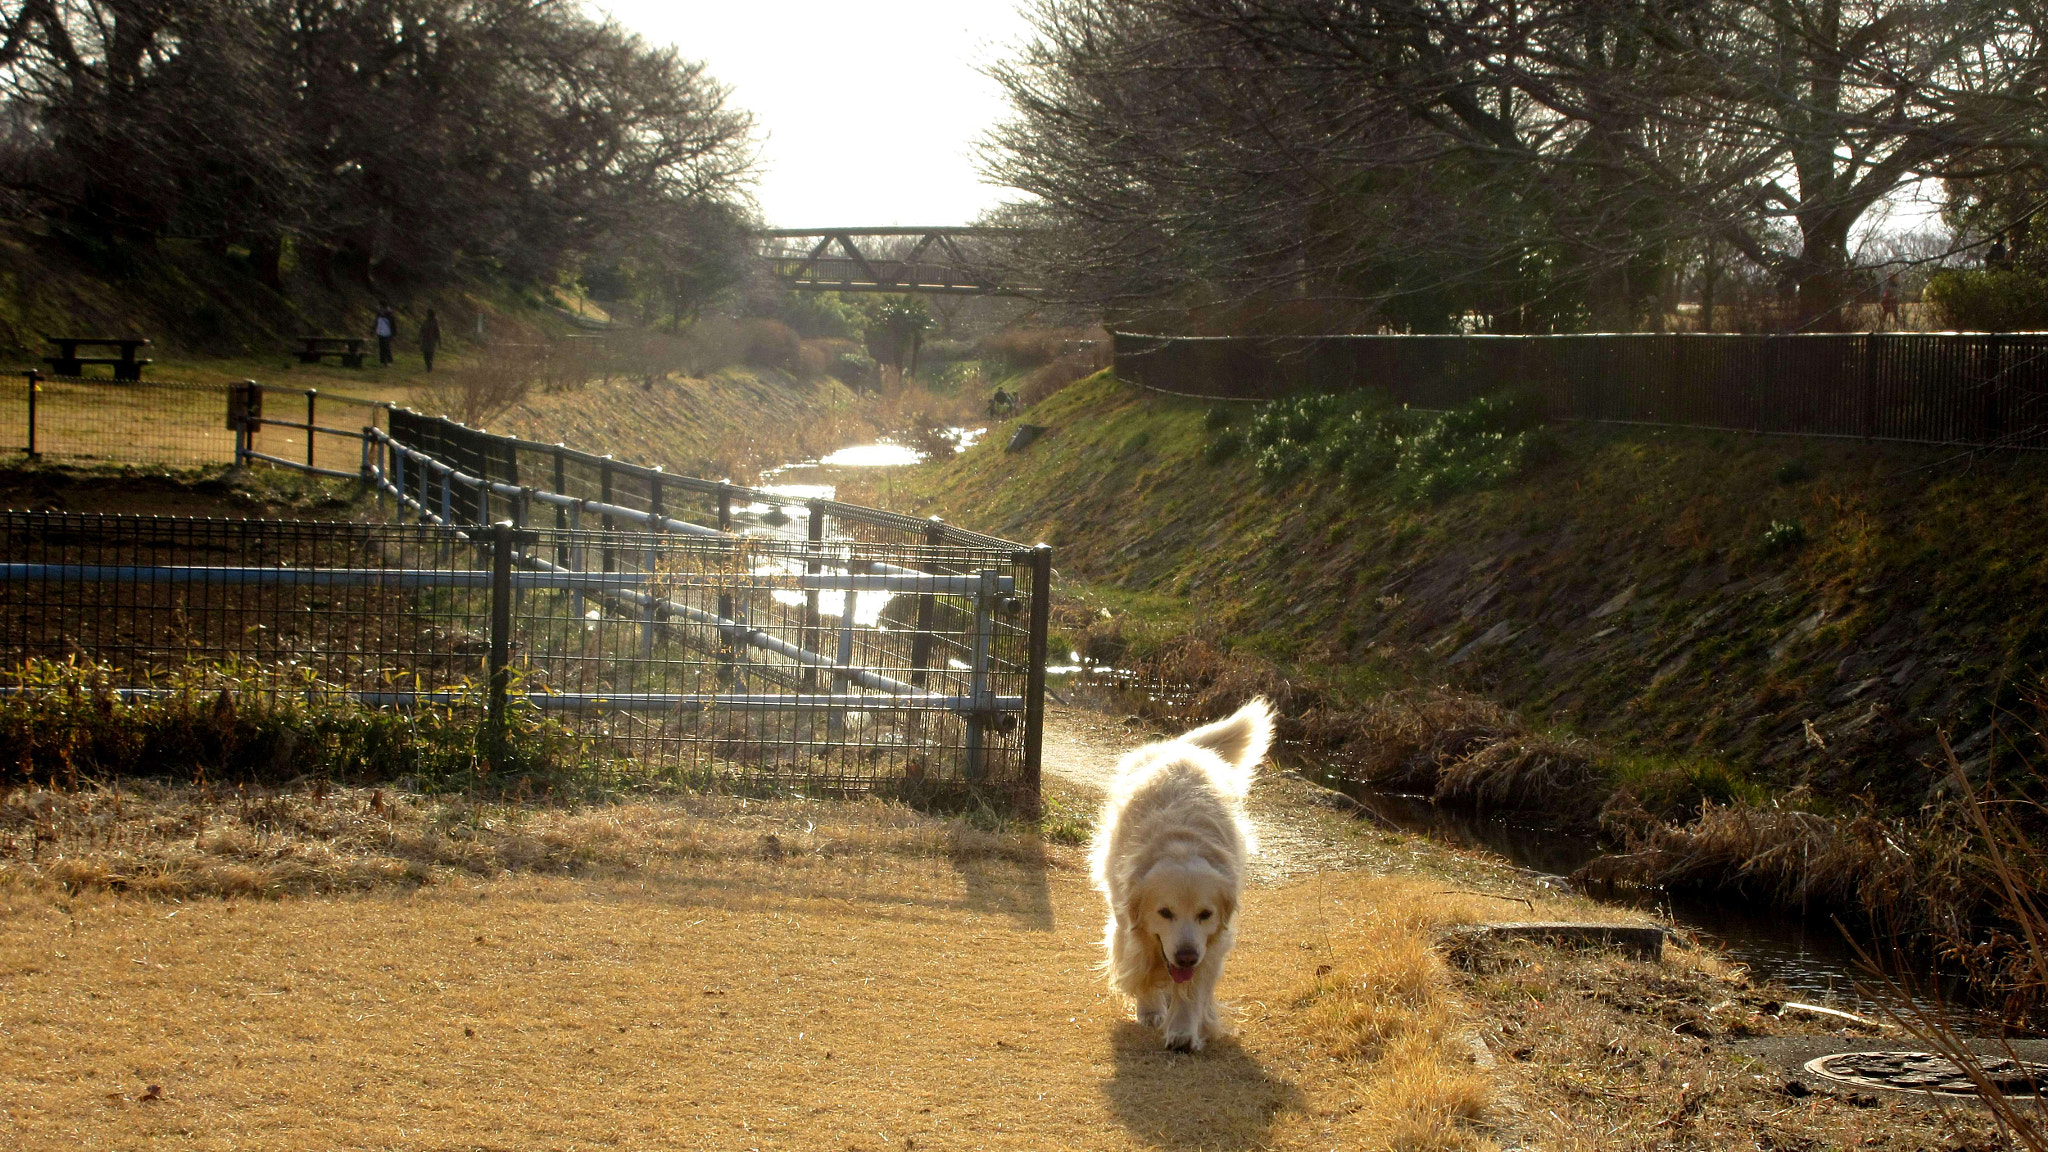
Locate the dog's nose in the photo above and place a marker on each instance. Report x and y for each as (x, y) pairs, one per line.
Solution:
(1186, 957)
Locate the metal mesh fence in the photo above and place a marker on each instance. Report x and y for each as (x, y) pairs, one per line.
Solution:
(1987, 389)
(841, 665)
(334, 424)
(87, 421)
(79, 420)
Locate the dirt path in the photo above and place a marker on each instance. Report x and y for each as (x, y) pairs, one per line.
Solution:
(1299, 832)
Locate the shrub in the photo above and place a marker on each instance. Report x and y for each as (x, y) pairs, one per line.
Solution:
(1782, 536)
(1024, 347)
(772, 344)
(1219, 417)
(240, 723)
(710, 344)
(1282, 459)
(1227, 444)
(854, 368)
(818, 315)
(1358, 437)
(1993, 300)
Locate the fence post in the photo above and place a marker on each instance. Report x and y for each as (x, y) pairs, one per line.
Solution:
(655, 516)
(979, 704)
(842, 659)
(728, 657)
(921, 641)
(252, 419)
(311, 395)
(1870, 358)
(35, 384)
(604, 496)
(1034, 674)
(814, 566)
(561, 513)
(397, 458)
(501, 634)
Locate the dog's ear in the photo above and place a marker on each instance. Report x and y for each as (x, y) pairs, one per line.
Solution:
(1226, 907)
(1133, 912)
(1242, 739)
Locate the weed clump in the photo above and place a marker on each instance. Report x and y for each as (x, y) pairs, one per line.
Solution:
(1781, 537)
(65, 724)
(1362, 439)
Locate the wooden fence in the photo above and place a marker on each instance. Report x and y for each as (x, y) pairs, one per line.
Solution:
(1986, 389)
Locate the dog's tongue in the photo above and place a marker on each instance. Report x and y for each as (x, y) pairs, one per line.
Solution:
(1180, 975)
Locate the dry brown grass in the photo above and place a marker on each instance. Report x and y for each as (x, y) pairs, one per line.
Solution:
(1789, 857)
(1458, 748)
(868, 978)
(1600, 1052)
(875, 979)
(182, 841)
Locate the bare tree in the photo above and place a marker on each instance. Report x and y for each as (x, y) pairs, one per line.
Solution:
(1544, 158)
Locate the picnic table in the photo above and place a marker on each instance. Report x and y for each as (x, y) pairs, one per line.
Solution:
(68, 362)
(312, 349)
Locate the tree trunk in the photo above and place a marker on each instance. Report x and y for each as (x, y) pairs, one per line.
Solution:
(1820, 273)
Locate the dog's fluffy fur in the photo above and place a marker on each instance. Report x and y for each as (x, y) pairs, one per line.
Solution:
(1169, 856)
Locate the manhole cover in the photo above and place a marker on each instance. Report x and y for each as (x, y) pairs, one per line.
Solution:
(1928, 1072)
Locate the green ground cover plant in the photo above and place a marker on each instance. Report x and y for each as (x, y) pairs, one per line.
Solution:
(64, 724)
(1364, 440)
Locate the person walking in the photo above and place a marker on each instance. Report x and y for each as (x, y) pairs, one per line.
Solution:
(430, 338)
(1888, 302)
(387, 330)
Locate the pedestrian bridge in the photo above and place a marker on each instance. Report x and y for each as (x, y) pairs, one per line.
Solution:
(937, 261)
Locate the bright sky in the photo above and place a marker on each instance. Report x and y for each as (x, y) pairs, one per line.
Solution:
(868, 112)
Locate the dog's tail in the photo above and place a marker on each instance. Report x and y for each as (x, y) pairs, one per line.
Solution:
(1241, 741)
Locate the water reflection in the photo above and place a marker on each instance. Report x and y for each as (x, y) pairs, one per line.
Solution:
(878, 455)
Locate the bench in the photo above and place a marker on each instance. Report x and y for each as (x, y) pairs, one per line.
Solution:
(348, 349)
(67, 361)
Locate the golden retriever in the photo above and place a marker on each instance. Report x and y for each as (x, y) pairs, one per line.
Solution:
(1168, 856)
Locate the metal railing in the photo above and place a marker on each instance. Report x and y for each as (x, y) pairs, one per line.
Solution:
(841, 666)
(78, 420)
(860, 613)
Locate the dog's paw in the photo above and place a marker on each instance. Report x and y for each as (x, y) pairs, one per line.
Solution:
(1183, 1042)
(1152, 1017)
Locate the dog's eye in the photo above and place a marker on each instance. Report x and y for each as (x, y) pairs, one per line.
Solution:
(1166, 913)
(1205, 914)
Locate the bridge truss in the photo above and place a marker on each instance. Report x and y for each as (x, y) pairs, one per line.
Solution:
(928, 260)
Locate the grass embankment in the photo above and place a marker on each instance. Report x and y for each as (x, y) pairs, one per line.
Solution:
(1632, 590)
(1651, 624)
(733, 424)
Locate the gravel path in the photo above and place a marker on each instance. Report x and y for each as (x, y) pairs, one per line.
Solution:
(1299, 830)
